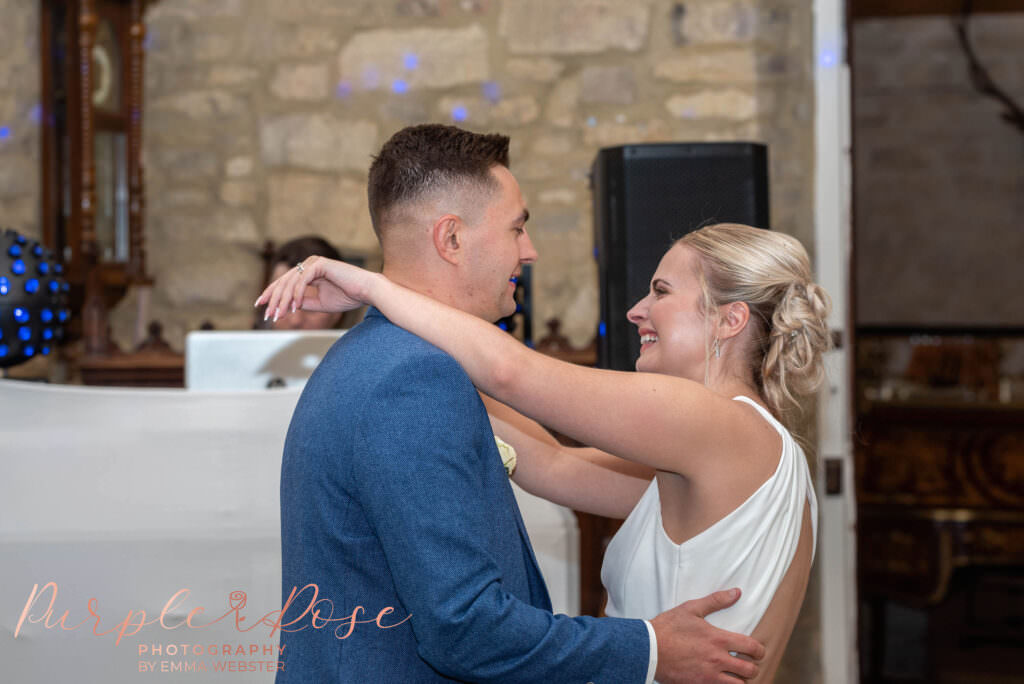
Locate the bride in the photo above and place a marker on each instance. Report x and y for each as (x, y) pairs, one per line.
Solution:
(695, 449)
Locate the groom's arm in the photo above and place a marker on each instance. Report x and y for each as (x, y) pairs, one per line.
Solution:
(423, 483)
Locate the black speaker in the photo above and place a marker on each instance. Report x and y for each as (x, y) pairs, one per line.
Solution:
(647, 196)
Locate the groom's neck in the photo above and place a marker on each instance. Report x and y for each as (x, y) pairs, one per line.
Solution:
(425, 280)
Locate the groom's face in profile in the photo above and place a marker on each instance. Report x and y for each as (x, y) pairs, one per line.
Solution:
(496, 249)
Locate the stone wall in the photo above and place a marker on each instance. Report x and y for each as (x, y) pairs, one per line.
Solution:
(939, 176)
(261, 117)
(19, 117)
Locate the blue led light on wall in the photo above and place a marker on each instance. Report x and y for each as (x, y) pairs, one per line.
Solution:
(37, 251)
(18, 267)
(43, 268)
(32, 285)
(54, 286)
(46, 315)
(47, 333)
(5, 285)
(24, 333)
(3, 351)
(28, 350)
(21, 315)
(45, 351)
(14, 251)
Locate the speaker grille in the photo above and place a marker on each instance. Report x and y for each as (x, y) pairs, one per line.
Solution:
(647, 196)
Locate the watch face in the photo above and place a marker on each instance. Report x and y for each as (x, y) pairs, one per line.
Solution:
(106, 64)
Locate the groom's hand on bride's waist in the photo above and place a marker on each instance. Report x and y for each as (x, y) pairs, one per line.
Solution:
(692, 650)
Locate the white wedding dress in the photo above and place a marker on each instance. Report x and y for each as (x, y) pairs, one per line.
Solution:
(646, 573)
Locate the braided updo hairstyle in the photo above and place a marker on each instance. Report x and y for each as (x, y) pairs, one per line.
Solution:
(771, 273)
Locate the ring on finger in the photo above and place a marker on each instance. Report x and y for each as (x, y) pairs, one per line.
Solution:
(299, 266)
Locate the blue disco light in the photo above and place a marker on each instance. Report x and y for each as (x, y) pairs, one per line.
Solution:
(492, 91)
(410, 61)
(602, 329)
(459, 113)
(30, 293)
(399, 86)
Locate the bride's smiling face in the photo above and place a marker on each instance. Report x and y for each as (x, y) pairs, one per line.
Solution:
(669, 320)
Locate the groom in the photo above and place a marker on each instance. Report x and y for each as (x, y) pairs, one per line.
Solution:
(394, 500)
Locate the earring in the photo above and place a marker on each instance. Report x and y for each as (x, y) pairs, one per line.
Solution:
(716, 348)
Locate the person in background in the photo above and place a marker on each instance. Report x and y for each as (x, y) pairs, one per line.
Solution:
(285, 257)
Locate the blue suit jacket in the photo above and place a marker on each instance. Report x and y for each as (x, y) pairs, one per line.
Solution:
(393, 495)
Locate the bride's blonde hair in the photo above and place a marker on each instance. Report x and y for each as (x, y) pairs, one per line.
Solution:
(771, 273)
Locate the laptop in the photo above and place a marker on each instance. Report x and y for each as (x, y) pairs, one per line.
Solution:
(231, 360)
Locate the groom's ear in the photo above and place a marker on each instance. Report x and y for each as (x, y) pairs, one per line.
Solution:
(447, 237)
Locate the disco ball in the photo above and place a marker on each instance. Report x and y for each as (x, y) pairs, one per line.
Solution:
(33, 300)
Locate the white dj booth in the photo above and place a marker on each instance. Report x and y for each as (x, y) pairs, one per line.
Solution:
(113, 501)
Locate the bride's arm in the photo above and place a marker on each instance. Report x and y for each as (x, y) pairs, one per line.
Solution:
(664, 422)
(584, 479)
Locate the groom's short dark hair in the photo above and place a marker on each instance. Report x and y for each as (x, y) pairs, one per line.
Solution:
(420, 159)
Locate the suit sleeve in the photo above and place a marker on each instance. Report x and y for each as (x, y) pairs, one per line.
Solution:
(421, 472)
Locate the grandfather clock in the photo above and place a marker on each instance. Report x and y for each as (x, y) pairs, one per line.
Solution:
(93, 200)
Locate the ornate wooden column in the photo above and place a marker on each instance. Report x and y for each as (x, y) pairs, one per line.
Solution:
(137, 200)
(94, 313)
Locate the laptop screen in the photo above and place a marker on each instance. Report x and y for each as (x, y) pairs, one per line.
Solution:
(253, 359)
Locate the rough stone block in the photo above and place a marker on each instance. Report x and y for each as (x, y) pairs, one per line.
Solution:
(608, 133)
(573, 26)
(563, 104)
(238, 166)
(551, 145)
(304, 203)
(608, 85)
(472, 111)
(727, 21)
(231, 75)
(725, 103)
(318, 141)
(216, 274)
(300, 82)
(194, 9)
(236, 193)
(202, 105)
(515, 111)
(733, 65)
(418, 58)
(563, 196)
(543, 70)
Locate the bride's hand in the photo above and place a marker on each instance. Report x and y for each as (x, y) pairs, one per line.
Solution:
(318, 284)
